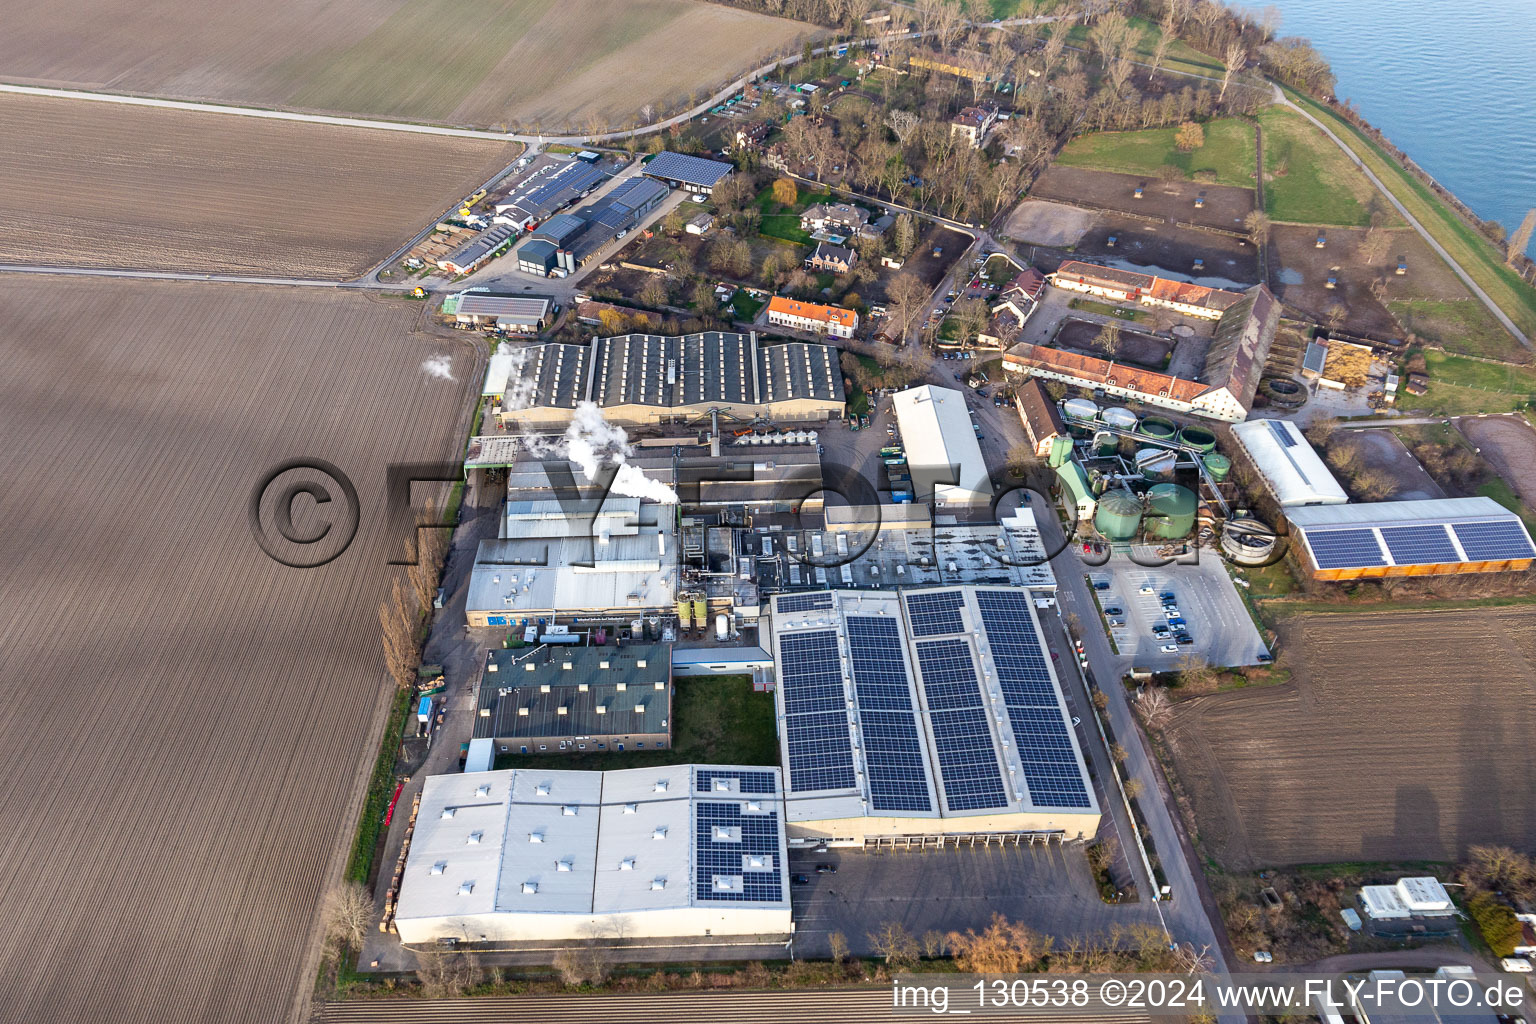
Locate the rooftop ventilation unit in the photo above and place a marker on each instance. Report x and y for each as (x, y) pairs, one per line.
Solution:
(529, 888)
(465, 888)
(439, 867)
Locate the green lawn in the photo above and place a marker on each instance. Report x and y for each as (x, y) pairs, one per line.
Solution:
(1459, 386)
(715, 720)
(783, 222)
(1180, 56)
(1477, 256)
(1105, 309)
(744, 307)
(1228, 152)
(1307, 179)
(1461, 325)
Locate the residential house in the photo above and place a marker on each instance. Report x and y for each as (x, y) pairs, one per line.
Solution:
(810, 316)
(834, 218)
(973, 124)
(838, 259)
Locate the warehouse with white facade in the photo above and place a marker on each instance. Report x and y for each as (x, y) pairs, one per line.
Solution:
(1294, 474)
(942, 453)
(925, 715)
(545, 855)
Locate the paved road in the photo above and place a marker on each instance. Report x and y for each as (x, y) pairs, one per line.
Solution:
(1466, 279)
(846, 1006)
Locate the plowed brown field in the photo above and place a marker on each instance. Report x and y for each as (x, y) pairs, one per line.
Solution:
(1402, 736)
(98, 184)
(186, 724)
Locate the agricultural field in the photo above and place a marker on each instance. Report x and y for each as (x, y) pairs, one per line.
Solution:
(1228, 153)
(1459, 386)
(192, 728)
(548, 64)
(1309, 180)
(1395, 739)
(147, 188)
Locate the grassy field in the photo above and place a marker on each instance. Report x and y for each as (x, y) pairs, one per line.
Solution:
(1477, 256)
(194, 750)
(1180, 56)
(1464, 325)
(160, 189)
(1459, 386)
(783, 222)
(537, 63)
(715, 720)
(1228, 152)
(1306, 178)
(1366, 754)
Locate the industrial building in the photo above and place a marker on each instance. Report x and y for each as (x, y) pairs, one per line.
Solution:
(548, 190)
(1226, 388)
(1292, 471)
(1412, 906)
(945, 460)
(910, 718)
(599, 561)
(1409, 538)
(650, 378)
(1042, 420)
(833, 321)
(467, 257)
(549, 699)
(539, 855)
(524, 314)
(552, 374)
(679, 170)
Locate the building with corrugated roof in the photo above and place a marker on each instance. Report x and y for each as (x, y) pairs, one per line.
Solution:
(538, 855)
(680, 170)
(1292, 471)
(1438, 536)
(550, 700)
(526, 314)
(943, 455)
(469, 256)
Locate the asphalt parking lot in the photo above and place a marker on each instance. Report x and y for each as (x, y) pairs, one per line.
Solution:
(1047, 886)
(1207, 600)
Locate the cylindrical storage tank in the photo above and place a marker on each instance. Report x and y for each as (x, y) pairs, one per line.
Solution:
(700, 612)
(1118, 516)
(1159, 468)
(1198, 437)
(722, 626)
(1218, 465)
(1061, 451)
(1145, 455)
(1171, 511)
(1105, 443)
(1247, 541)
(684, 615)
(1080, 409)
(1124, 419)
(1156, 426)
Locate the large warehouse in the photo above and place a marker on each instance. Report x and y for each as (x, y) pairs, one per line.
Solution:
(680, 170)
(541, 855)
(1292, 471)
(923, 714)
(639, 379)
(945, 460)
(1410, 538)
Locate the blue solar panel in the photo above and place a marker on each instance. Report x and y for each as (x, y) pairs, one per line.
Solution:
(934, 614)
(1023, 672)
(1344, 549)
(810, 672)
(805, 602)
(967, 761)
(879, 671)
(1419, 545)
(747, 782)
(949, 676)
(759, 836)
(894, 752)
(1494, 541)
(820, 753)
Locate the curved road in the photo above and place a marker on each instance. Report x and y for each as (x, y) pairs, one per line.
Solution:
(1472, 286)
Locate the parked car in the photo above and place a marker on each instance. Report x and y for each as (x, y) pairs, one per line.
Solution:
(826, 869)
(1170, 612)
(1169, 648)
(1146, 588)
(1266, 656)
(1166, 595)
(1116, 610)
(800, 879)
(1176, 623)
(1101, 584)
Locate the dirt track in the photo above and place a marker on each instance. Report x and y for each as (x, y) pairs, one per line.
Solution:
(1395, 740)
(187, 720)
(1509, 443)
(95, 184)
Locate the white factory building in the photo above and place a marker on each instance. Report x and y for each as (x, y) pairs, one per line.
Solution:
(907, 717)
(1291, 468)
(544, 855)
(942, 453)
(594, 559)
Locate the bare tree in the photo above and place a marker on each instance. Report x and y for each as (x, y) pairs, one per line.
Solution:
(1165, 35)
(397, 626)
(1109, 339)
(1521, 239)
(1237, 57)
(935, 944)
(1155, 707)
(1257, 223)
(1196, 674)
(431, 547)
(903, 123)
(839, 947)
(908, 295)
(349, 914)
(893, 943)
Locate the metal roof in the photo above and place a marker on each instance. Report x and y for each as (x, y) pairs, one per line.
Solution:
(798, 370)
(1292, 469)
(575, 691)
(1385, 535)
(529, 308)
(691, 170)
(712, 368)
(942, 452)
(1428, 510)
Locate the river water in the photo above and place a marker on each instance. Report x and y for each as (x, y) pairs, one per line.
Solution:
(1452, 84)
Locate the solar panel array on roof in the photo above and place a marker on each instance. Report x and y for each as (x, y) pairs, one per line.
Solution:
(804, 602)
(962, 739)
(935, 614)
(1435, 532)
(1345, 549)
(893, 748)
(746, 782)
(689, 170)
(737, 854)
(815, 715)
(1046, 754)
(1494, 541)
(1419, 545)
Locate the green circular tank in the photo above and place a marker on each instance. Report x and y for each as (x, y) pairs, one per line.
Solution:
(1119, 515)
(1061, 451)
(1154, 426)
(1218, 465)
(1170, 511)
(1198, 437)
